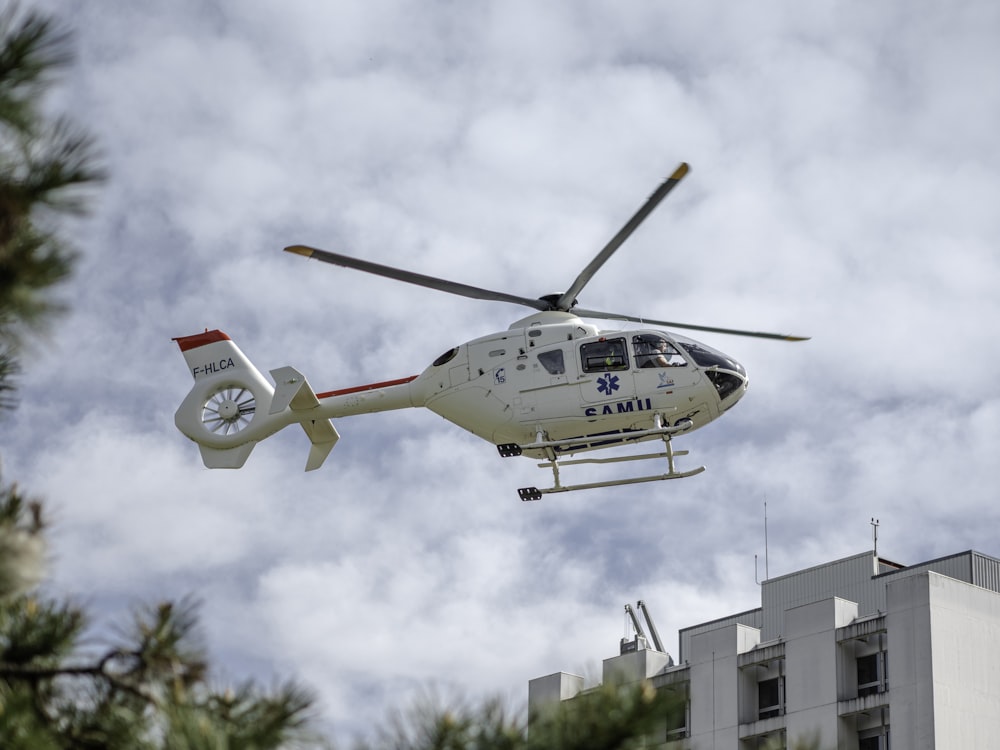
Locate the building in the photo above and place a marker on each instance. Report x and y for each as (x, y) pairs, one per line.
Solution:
(853, 653)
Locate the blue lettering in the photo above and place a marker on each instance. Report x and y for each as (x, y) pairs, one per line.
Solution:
(620, 407)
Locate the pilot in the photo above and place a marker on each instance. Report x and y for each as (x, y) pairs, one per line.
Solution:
(653, 351)
(659, 357)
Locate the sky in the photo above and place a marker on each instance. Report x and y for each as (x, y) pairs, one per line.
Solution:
(844, 185)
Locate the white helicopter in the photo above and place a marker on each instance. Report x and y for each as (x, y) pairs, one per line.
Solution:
(549, 387)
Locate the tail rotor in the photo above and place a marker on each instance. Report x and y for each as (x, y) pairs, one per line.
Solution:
(229, 411)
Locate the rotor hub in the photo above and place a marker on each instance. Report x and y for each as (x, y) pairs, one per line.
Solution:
(552, 301)
(229, 410)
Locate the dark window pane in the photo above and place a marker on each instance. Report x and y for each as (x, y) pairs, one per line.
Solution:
(553, 361)
(868, 669)
(604, 355)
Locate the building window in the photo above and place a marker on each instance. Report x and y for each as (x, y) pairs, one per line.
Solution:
(770, 697)
(872, 673)
(874, 739)
(770, 741)
(677, 722)
(678, 710)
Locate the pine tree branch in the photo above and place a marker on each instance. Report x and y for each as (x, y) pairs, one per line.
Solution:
(32, 47)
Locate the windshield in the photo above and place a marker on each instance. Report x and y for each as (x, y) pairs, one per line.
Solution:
(726, 374)
(706, 356)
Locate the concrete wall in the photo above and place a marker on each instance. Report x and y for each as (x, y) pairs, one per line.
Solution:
(849, 578)
(944, 673)
(714, 717)
(635, 666)
(811, 666)
(549, 690)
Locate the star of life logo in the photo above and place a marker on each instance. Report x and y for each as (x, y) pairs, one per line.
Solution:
(607, 384)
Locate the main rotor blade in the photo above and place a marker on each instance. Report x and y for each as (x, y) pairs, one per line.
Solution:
(565, 302)
(431, 282)
(689, 326)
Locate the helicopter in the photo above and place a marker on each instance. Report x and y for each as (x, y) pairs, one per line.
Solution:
(550, 387)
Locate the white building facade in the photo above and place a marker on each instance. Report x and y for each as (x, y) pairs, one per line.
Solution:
(859, 654)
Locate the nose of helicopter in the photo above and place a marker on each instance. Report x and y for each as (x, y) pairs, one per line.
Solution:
(727, 375)
(731, 383)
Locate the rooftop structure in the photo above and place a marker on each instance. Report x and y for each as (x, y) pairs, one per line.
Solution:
(813, 661)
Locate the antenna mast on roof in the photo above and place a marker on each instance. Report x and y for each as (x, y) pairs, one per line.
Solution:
(874, 523)
(766, 571)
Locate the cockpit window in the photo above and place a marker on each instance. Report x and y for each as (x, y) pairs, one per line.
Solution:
(706, 357)
(655, 351)
(553, 361)
(726, 374)
(600, 356)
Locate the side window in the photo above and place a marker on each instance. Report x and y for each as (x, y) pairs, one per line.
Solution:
(601, 356)
(770, 695)
(553, 361)
(655, 351)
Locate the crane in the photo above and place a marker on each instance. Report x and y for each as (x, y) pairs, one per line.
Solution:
(639, 642)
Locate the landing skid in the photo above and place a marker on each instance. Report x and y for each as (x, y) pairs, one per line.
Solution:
(533, 493)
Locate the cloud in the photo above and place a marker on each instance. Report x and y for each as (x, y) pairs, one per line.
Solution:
(844, 186)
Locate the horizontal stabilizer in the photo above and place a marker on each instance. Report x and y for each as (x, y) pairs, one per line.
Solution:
(291, 389)
(226, 458)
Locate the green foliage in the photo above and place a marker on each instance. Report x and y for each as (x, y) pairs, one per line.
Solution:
(435, 724)
(606, 718)
(150, 690)
(32, 49)
(46, 166)
(22, 546)
(9, 368)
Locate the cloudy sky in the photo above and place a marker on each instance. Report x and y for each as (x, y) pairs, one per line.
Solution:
(845, 185)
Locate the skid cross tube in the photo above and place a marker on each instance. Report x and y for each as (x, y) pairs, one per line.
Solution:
(533, 493)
